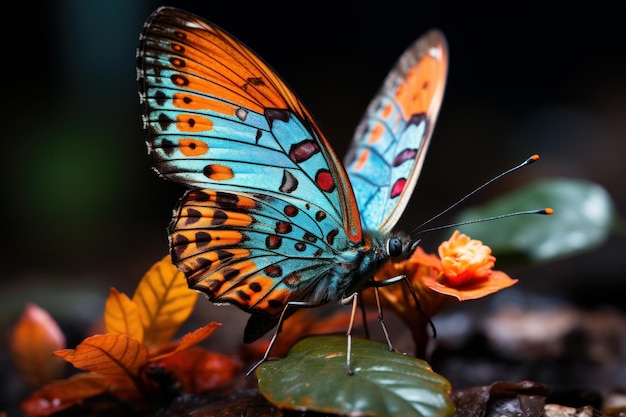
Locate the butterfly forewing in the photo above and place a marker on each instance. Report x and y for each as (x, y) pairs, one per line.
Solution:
(390, 143)
(218, 117)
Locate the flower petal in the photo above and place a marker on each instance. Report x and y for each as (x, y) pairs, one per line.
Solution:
(420, 257)
(496, 281)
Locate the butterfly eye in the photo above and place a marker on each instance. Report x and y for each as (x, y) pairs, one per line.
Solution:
(394, 247)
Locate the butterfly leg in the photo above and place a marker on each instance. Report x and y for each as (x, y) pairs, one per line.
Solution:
(354, 298)
(376, 285)
(379, 308)
(419, 306)
(279, 328)
(366, 328)
(391, 281)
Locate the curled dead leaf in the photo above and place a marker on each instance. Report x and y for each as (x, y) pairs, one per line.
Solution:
(63, 394)
(32, 341)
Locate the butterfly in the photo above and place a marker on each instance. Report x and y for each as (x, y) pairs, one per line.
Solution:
(271, 217)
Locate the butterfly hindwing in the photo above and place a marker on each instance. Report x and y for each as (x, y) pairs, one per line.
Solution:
(390, 143)
(253, 250)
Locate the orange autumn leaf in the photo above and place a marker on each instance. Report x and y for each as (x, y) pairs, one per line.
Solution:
(197, 336)
(118, 360)
(114, 354)
(63, 394)
(164, 302)
(121, 315)
(199, 370)
(187, 341)
(32, 342)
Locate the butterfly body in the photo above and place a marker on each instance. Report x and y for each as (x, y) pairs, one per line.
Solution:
(271, 216)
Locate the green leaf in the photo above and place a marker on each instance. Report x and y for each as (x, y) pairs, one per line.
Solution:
(584, 215)
(313, 377)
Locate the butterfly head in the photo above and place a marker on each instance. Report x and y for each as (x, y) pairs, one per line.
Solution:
(400, 247)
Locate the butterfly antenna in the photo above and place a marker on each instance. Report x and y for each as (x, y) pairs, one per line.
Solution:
(546, 211)
(417, 230)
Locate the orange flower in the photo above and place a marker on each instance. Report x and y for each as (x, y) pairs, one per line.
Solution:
(466, 269)
(465, 260)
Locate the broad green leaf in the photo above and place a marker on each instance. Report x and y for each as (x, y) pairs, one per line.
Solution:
(313, 377)
(164, 302)
(584, 215)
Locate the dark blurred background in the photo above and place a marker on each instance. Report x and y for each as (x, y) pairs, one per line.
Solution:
(83, 211)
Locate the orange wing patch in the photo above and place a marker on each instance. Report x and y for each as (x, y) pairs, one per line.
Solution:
(218, 172)
(270, 300)
(194, 217)
(212, 198)
(203, 240)
(377, 132)
(273, 305)
(189, 101)
(247, 293)
(363, 158)
(387, 111)
(232, 71)
(216, 85)
(198, 265)
(192, 147)
(234, 273)
(415, 94)
(257, 293)
(193, 123)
